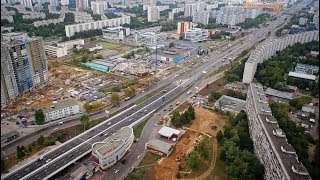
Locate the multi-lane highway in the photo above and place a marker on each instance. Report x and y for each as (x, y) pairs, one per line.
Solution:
(72, 150)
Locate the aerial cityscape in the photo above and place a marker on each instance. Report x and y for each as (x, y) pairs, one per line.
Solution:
(160, 89)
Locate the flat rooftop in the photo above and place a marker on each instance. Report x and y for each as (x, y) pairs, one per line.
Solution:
(284, 151)
(303, 76)
(232, 104)
(59, 105)
(112, 142)
(280, 94)
(168, 131)
(159, 145)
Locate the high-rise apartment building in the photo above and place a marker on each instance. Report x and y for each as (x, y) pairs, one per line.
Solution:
(54, 3)
(82, 4)
(183, 27)
(153, 14)
(64, 2)
(9, 89)
(23, 67)
(189, 9)
(98, 7)
(201, 17)
(27, 3)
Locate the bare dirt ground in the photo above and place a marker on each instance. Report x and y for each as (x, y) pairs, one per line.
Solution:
(217, 85)
(207, 122)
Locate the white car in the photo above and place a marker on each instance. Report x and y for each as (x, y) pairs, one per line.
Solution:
(116, 171)
(204, 72)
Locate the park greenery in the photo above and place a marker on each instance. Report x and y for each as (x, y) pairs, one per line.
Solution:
(271, 73)
(26, 25)
(119, 87)
(221, 35)
(84, 120)
(236, 94)
(179, 120)
(254, 23)
(214, 96)
(129, 91)
(200, 154)
(237, 150)
(297, 138)
(236, 73)
(300, 101)
(83, 34)
(92, 105)
(115, 98)
(21, 152)
(39, 116)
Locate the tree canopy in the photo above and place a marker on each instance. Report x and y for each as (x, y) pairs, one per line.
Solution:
(39, 116)
(178, 119)
(237, 150)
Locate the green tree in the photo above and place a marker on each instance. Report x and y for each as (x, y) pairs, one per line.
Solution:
(176, 119)
(193, 160)
(40, 140)
(3, 163)
(129, 91)
(115, 98)
(220, 136)
(84, 119)
(214, 96)
(20, 152)
(39, 116)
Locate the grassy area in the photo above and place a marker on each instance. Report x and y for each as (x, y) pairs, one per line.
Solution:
(219, 170)
(149, 158)
(174, 69)
(140, 100)
(108, 45)
(137, 130)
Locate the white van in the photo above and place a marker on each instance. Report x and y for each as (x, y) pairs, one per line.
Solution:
(61, 122)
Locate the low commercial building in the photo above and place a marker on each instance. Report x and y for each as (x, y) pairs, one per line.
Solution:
(70, 44)
(61, 110)
(279, 94)
(308, 109)
(230, 104)
(55, 51)
(112, 149)
(196, 35)
(169, 132)
(302, 76)
(92, 47)
(116, 33)
(159, 147)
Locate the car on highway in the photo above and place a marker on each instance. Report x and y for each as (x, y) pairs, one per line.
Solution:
(109, 123)
(48, 160)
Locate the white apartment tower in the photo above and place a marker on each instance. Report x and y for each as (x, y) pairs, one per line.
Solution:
(27, 3)
(153, 14)
(98, 7)
(64, 2)
(189, 9)
(201, 17)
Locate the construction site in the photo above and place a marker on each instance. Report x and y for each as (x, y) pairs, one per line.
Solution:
(205, 126)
